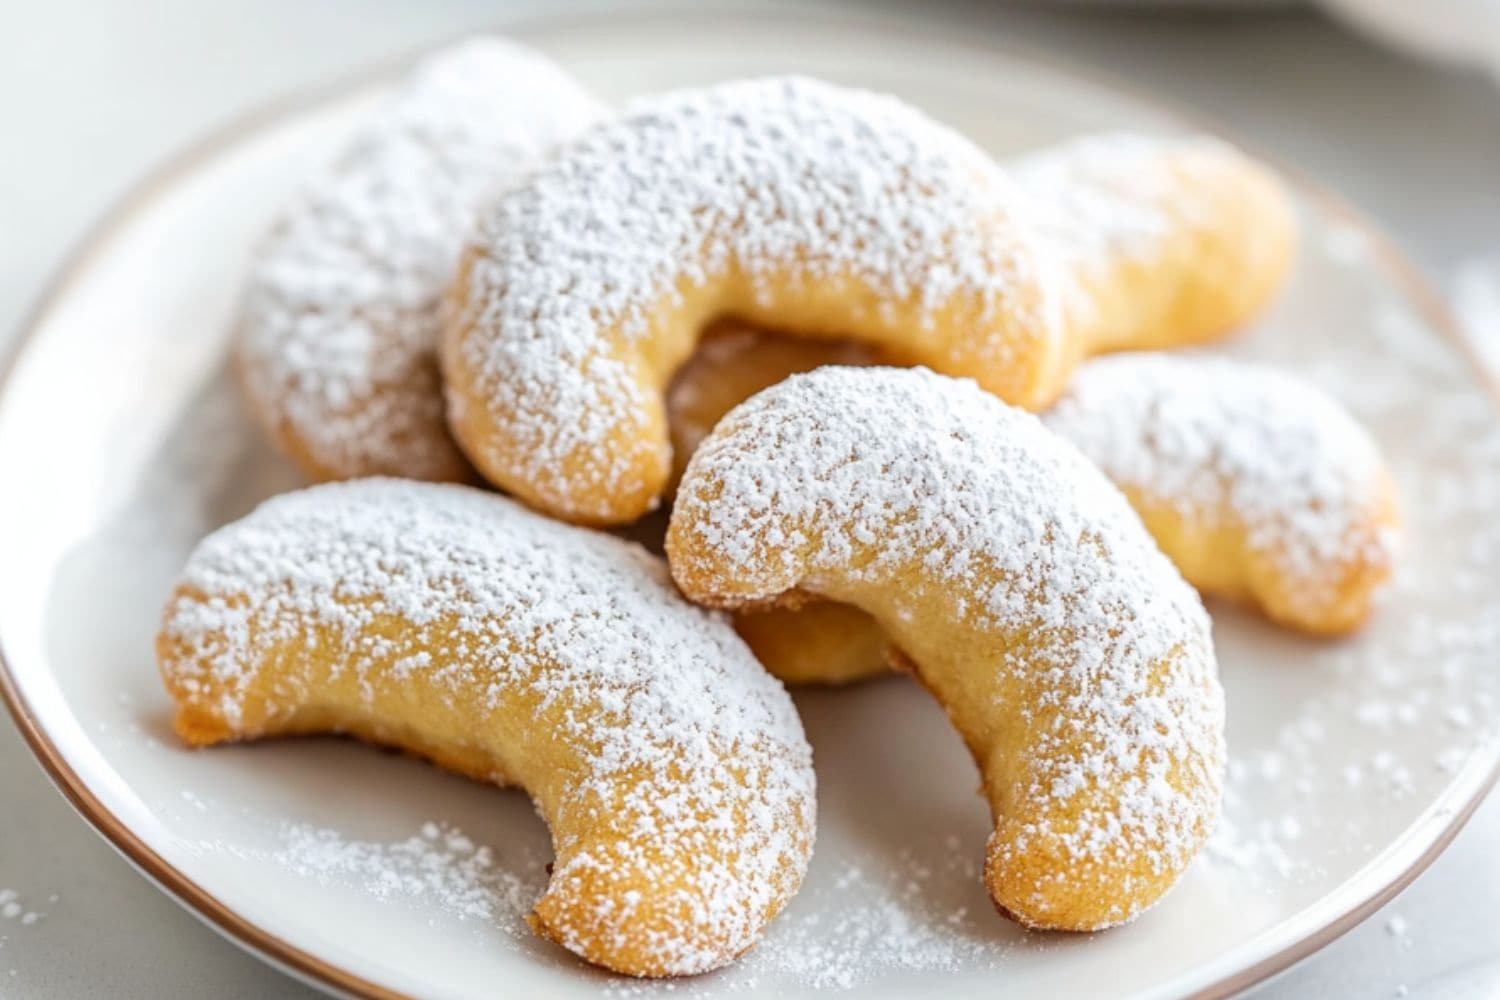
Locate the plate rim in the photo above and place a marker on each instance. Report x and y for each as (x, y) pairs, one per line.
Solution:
(139, 195)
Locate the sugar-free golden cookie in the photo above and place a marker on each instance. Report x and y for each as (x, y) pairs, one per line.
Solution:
(337, 342)
(455, 624)
(787, 202)
(1024, 593)
(1256, 484)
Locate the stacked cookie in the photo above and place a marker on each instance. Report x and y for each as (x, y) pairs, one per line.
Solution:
(844, 311)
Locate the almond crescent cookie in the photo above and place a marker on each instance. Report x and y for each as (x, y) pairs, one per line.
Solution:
(787, 202)
(1024, 593)
(1255, 483)
(671, 769)
(1158, 240)
(337, 340)
(1259, 486)
(816, 211)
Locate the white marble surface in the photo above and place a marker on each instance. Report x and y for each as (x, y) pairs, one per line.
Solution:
(94, 93)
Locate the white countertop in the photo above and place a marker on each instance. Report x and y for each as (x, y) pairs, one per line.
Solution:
(92, 94)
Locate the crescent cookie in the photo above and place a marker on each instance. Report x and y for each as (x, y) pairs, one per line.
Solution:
(1256, 484)
(819, 642)
(1067, 651)
(1158, 240)
(809, 641)
(1161, 241)
(671, 769)
(337, 340)
(787, 202)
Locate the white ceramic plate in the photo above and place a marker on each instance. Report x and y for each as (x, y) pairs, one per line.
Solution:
(123, 441)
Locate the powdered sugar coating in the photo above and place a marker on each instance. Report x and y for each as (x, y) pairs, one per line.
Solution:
(677, 734)
(904, 492)
(1207, 436)
(338, 338)
(1105, 202)
(779, 185)
(1099, 197)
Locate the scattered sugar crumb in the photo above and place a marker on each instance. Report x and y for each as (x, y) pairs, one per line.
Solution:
(1255, 849)
(1451, 760)
(1346, 244)
(12, 907)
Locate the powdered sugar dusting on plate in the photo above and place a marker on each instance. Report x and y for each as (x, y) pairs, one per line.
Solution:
(439, 865)
(1476, 296)
(875, 919)
(13, 908)
(866, 918)
(339, 334)
(1409, 703)
(870, 920)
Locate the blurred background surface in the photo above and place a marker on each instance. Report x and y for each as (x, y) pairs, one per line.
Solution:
(94, 94)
